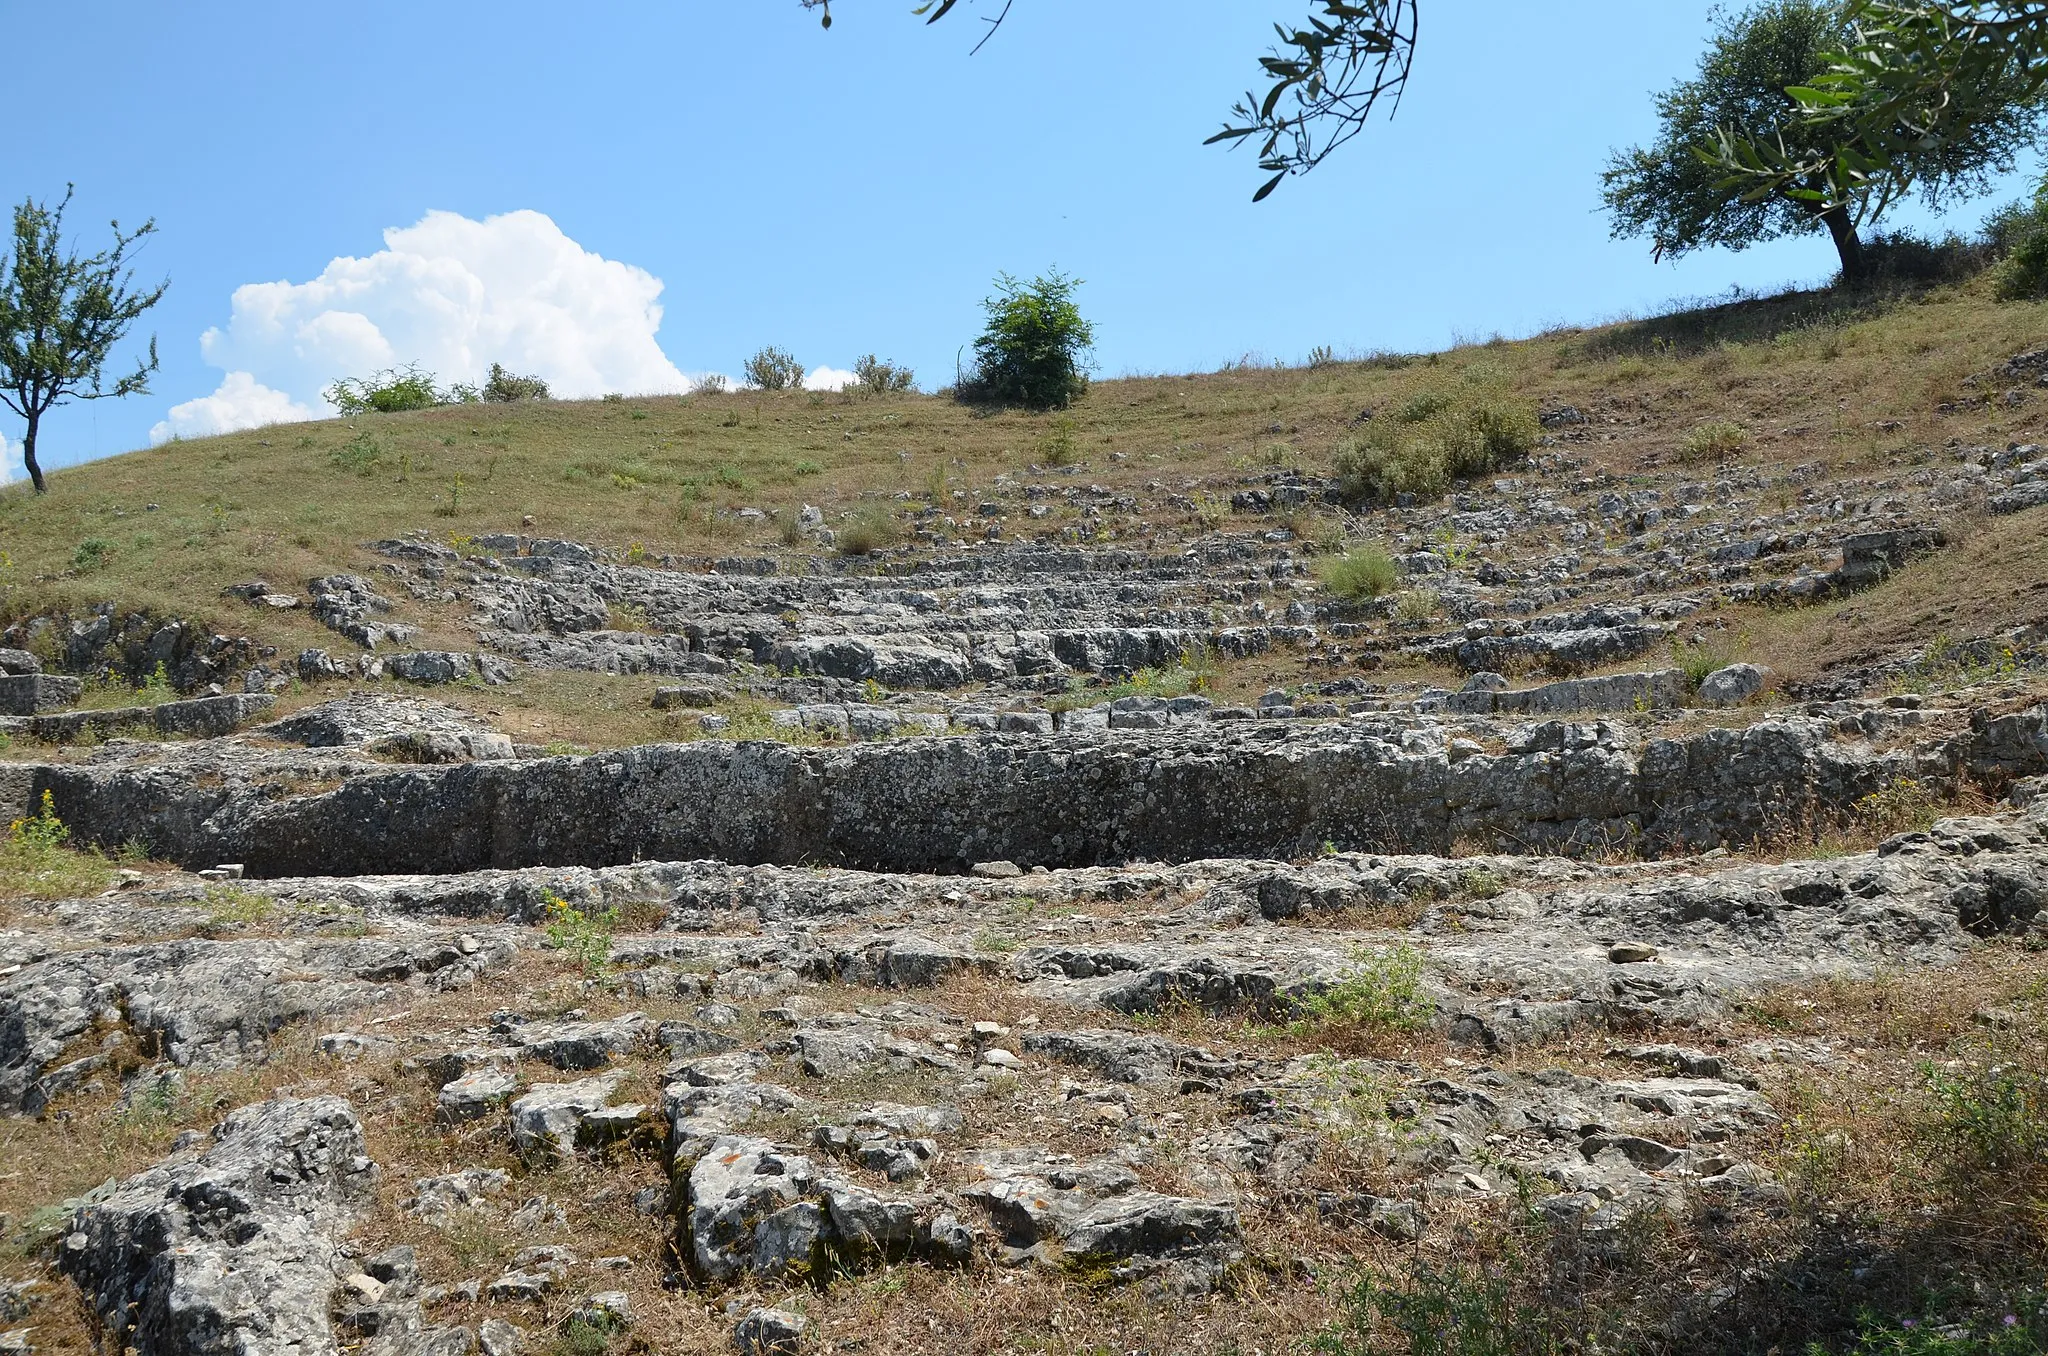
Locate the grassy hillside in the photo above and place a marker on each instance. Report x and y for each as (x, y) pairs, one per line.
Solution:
(1845, 382)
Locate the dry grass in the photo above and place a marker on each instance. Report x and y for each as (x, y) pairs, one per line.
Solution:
(1994, 578)
(1813, 376)
(1860, 1149)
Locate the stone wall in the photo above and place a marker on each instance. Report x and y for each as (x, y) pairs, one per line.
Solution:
(926, 804)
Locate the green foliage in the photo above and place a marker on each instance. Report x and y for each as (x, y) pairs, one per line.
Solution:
(873, 377)
(359, 454)
(2020, 233)
(37, 861)
(1417, 606)
(871, 528)
(1699, 658)
(1433, 439)
(505, 387)
(1458, 1308)
(60, 317)
(991, 942)
(2021, 1330)
(774, 369)
(1936, 93)
(1776, 135)
(92, 554)
(1666, 191)
(1988, 1123)
(1033, 352)
(581, 1337)
(390, 391)
(1362, 572)
(1327, 77)
(1381, 990)
(1057, 448)
(1716, 440)
(229, 906)
(1480, 883)
(156, 689)
(42, 830)
(1422, 407)
(1905, 806)
(586, 937)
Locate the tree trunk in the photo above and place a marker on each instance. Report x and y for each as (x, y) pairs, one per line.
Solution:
(1855, 269)
(28, 454)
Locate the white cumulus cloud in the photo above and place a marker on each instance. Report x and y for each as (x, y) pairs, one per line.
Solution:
(451, 294)
(828, 379)
(241, 402)
(11, 468)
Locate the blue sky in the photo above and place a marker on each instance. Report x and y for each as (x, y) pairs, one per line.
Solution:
(835, 193)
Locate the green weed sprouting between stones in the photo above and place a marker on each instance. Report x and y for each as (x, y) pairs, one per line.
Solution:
(1381, 989)
(586, 937)
(1716, 440)
(1903, 807)
(1362, 572)
(38, 862)
(156, 689)
(230, 906)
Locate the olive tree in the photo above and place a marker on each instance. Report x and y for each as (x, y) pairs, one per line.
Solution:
(1676, 192)
(1914, 86)
(61, 314)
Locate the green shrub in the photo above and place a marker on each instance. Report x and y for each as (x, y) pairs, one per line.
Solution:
(1057, 448)
(1381, 989)
(873, 377)
(506, 388)
(1422, 407)
(92, 554)
(387, 392)
(1417, 606)
(2024, 274)
(359, 454)
(1360, 573)
(229, 906)
(1904, 806)
(1716, 440)
(774, 369)
(1699, 658)
(1376, 468)
(1033, 352)
(586, 937)
(581, 1337)
(1892, 257)
(1431, 441)
(1498, 434)
(2019, 233)
(869, 530)
(1987, 1127)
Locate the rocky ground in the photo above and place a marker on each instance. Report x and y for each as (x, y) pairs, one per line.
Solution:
(1022, 941)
